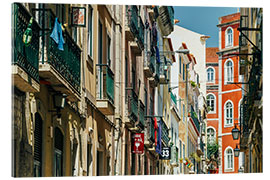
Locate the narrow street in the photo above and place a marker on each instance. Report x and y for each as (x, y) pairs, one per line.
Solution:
(107, 90)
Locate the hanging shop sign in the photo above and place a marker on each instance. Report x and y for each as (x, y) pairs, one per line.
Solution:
(78, 16)
(165, 153)
(138, 143)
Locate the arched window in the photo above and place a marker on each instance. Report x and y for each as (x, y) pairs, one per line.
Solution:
(229, 114)
(210, 75)
(228, 71)
(229, 37)
(211, 135)
(229, 159)
(211, 102)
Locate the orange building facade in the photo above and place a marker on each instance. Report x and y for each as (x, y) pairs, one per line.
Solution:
(230, 92)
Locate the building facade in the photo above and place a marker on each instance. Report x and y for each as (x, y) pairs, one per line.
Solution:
(251, 61)
(230, 92)
(86, 79)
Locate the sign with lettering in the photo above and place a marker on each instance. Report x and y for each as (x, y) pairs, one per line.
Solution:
(138, 143)
(78, 16)
(165, 153)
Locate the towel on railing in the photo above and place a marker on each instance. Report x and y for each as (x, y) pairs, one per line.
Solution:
(57, 35)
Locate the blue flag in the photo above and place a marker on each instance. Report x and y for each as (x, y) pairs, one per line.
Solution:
(57, 35)
(159, 143)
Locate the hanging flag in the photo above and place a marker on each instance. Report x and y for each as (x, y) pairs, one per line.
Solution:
(155, 128)
(57, 35)
(158, 148)
(27, 35)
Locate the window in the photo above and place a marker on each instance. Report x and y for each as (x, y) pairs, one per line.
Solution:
(228, 114)
(58, 153)
(38, 146)
(109, 51)
(211, 135)
(228, 71)
(210, 100)
(90, 32)
(229, 160)
(210, 75)
(229, 37)
(184, 72)
(180, 65)
(183, 113)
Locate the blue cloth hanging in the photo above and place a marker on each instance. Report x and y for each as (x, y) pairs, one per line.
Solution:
(157, 55)
(57, 35)
(159, 143)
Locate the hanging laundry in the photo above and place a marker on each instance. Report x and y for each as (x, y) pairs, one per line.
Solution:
(57, 35)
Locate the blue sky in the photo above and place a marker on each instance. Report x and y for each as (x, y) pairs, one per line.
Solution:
(202, 20)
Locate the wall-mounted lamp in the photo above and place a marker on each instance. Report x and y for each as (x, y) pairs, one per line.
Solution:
(236, 151)
(59, 101)
(235, 133)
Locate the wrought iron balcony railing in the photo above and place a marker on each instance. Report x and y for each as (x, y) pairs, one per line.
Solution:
(152, 129)
(165, 132)
(141, 115)
(133, 106)
(195, 119)
(105, 83)
(166, 14)
(132, 18)
(66, 62)
(25, 56)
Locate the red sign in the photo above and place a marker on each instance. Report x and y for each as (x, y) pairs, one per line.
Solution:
(138, 143)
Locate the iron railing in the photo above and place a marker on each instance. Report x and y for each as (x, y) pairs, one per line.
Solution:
(66, 62)
(165, 132)
(195, 119)
(141, 115)
(25, 56)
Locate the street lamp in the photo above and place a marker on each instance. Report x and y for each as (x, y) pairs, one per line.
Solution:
(236, 151)
(59, 100)
(235, 133)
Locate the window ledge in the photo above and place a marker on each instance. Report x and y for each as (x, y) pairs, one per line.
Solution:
(228, 125)
(229, 170)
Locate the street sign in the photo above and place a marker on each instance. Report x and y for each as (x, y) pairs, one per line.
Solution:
(138, 143)
(165, 153)
(78, 16)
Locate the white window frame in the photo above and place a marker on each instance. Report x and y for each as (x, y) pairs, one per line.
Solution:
(240, 77)
(225, 114)
(226, 168)
(228, 39)
(214, 111)
(226, 68)
(211, 80)
(239, 109)
(214, 137)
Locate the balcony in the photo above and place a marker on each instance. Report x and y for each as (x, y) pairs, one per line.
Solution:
(164, 132)
(105, 89)
(61, 69)
(162, 73)
(195, 119)
(25, 58)
(149, 66)
(151, 133)
(173, 98)
(141, 116)
(166, 18)
(132, 102)
(132, 27)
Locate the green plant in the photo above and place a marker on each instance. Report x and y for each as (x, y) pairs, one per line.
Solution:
(193, 84)
(212, 149)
